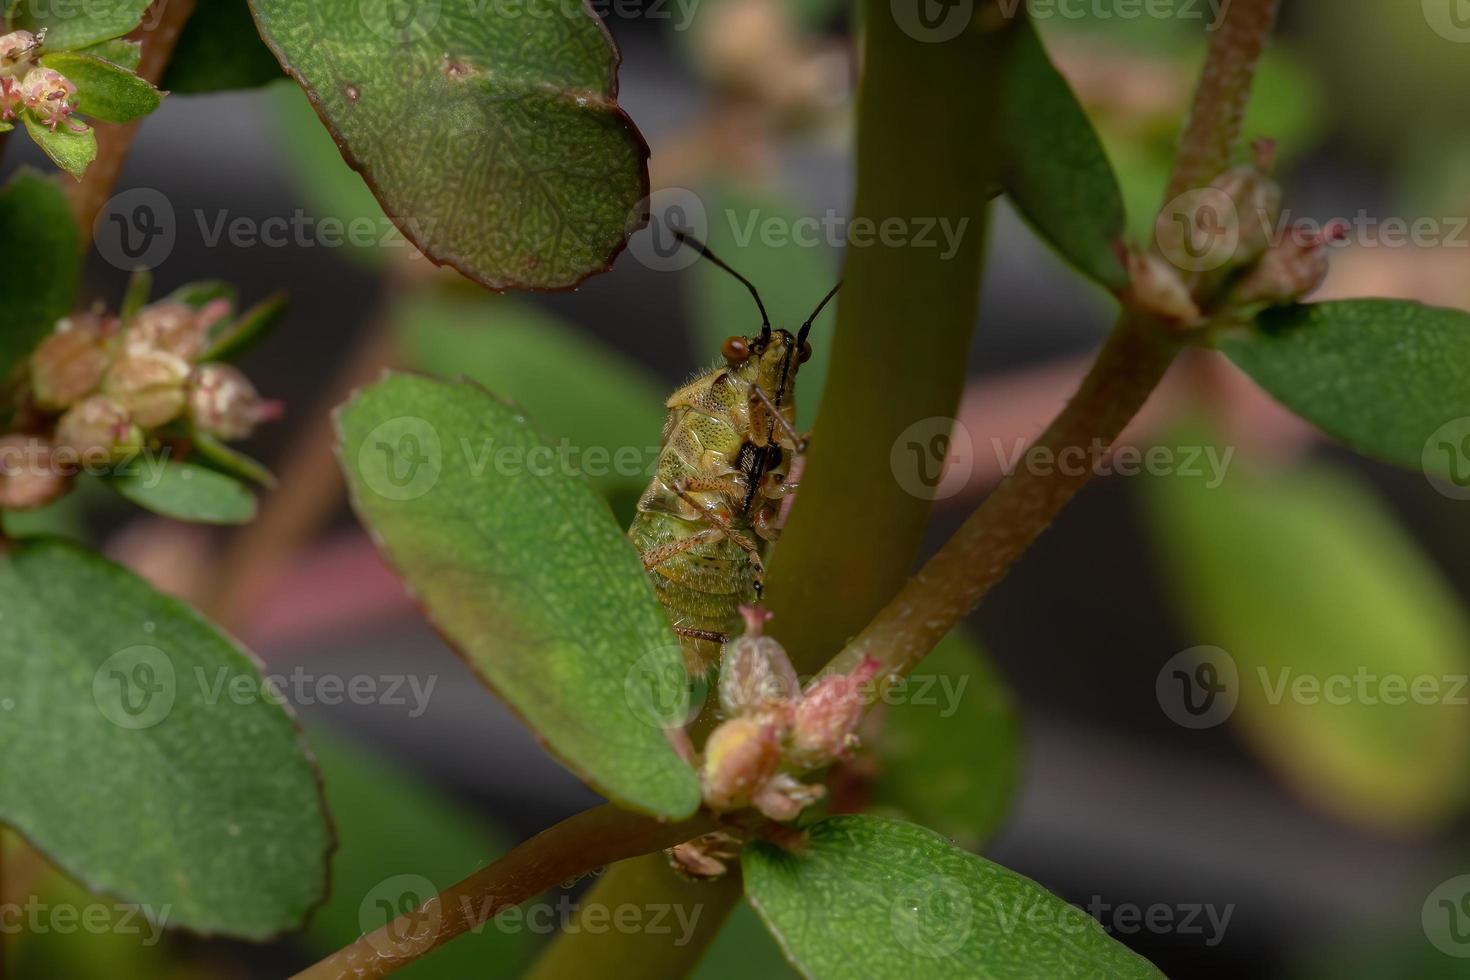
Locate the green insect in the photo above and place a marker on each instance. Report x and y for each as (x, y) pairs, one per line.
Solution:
(714, 504)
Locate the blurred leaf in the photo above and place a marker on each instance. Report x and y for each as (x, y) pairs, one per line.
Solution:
(950, 746)
(128, 54)
(186, 492)
(105, 91)
(760, 235)
(140, 287)
(744, 948)
(70, 150)
(573, 386)
(521, 566)
(1304, 580)
(538, 176)
(1056, 171)
(220, 49)
(198, 294)
(122, 701)
(871, 897)
(42, 265)
(69, 26)
(229, 460)
(374, 804)
(230, 338)
(1381, 375)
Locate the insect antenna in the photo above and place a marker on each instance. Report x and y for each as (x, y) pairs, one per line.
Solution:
(703, 249)
(806, 327)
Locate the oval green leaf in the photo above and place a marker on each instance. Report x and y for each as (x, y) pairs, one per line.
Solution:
(144, 754)
(1383, 376)
(43, 263)
(492, 136)
(950, 747)
(1055, 170)
(1330, 617)
(70, 150)
(522, 568)
(69, 26)
(185, 492)
(106, 91)
(127, 54)
(871, 897)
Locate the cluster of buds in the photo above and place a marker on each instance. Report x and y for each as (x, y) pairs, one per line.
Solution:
(1221, 251)
(774, 732)
(106, 389)
(26, 85)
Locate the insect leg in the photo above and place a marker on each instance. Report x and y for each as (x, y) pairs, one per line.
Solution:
(654, 557)
(721, 523)
(799, 441)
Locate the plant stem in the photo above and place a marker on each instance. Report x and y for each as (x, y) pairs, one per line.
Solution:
(90, 194)
(590, 839)
(1024, 504)
(1223, 94)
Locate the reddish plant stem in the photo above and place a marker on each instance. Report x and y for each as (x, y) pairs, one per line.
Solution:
(159, 34)
(590, 839)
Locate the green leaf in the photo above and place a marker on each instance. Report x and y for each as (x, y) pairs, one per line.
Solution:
(106, 91)
(185, 492)
(232, 338)
(1055, 169)
(220, 49)
(950, 748)
(198, 294)
(1383, 376)
(140, 287)
(229, 460)
(755, 233)
(871, 897)
(70, 26)
(521, 566)
(602, 404)
(1305, 582)
(70, 150)
(144, 755)
(42, 265)
(538, 177)
(376, 864)
(744, 948)
(128, 54)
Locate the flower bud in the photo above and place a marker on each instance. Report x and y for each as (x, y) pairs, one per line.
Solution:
(739, 757)
(1290, 270)
(49, 94)
(69, 364)
(223, 402)
(783, 797)
(173, 328)
(28, 476)
(1257, 206)
(149, 385)
(824, 726)
(1156, 288)
(16, 49)
(705, 857)
(100, 428)
(755, 669)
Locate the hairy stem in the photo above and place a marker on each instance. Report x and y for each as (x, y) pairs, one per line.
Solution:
(589, 840)
(162, 24)
(1222, 95)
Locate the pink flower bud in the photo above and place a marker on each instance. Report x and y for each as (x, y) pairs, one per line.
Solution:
(783, 797)
(49, 94)
(824, 728)
(69, 364)
(1156, 287)
(149, 385)
(100, 429)
(223, 402)
(173, 328)
(704, 857)
(755, 671)
(28, 476)
(739, 757)
(16, 51)
(1258, 201)
(1290, 270)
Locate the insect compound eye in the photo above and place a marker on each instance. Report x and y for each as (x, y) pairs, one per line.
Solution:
(735, 349)
(806, 353)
